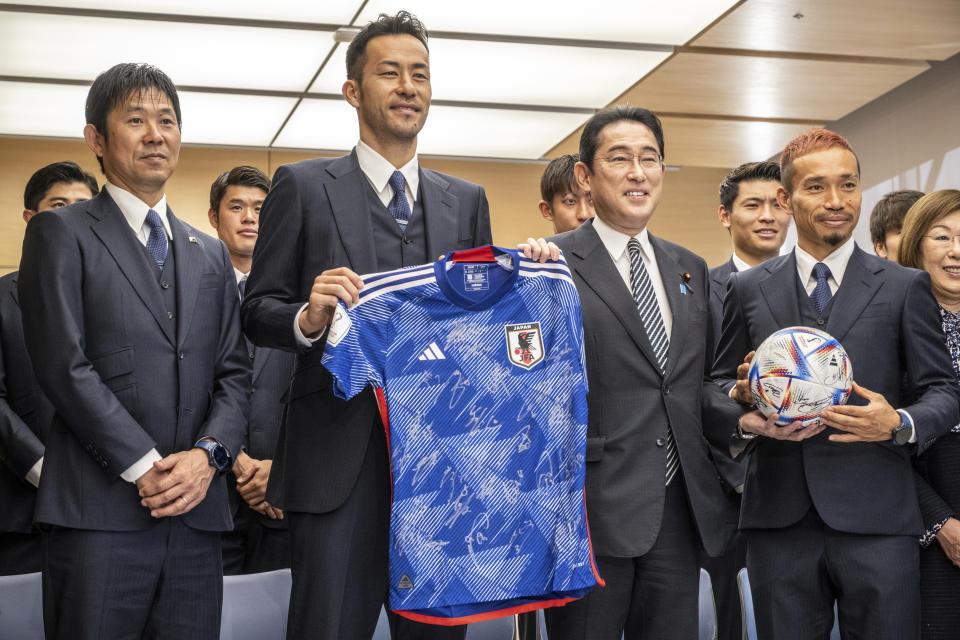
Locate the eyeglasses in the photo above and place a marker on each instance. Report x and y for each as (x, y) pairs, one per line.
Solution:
(942, 240)
(622, 161)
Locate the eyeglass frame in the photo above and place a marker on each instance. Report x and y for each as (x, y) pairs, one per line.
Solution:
(949, 242)
(632, 159)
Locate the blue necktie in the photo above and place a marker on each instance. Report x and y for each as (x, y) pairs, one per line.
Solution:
(242, 286)
(157, 242)
(399, 207)
(821, 293)
(649, 309)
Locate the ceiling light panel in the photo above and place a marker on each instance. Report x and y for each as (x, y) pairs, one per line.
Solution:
(326, 12)
(672, 22)
(449, 131)
(512, 73)
(79, 48)
(28, 109)
(217, 118)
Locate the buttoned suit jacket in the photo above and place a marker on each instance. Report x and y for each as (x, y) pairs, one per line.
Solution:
(25, 415)
(886, 318)
(317, 217)
(124, 373)
(630, 402)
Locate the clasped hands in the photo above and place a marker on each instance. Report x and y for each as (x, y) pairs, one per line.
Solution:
(342, 284)
(252, 476)
(872, 422)
(176, 484)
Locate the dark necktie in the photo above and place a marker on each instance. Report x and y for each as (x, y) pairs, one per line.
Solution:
(157, 241)
(399, 207)
(242, 286)
(821, 293)
(649, 309)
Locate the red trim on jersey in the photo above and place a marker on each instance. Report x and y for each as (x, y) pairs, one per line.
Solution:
(480, 254)
(385, 418)
(489, 615)
(593, 565)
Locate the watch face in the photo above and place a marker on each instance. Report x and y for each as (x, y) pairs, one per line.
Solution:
(220, 457)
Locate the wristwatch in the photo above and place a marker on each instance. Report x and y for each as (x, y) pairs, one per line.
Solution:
(903, 432)
(217, 453)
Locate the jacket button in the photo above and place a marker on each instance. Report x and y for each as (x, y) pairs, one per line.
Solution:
(821, 321)
(407, 240)
(666, 391)
(164, 284)
(180, 355)
(661, 442)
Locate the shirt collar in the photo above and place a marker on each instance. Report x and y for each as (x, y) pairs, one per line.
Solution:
(837, 261)
(616, 241)
(240, 275)
(378, 169)
(134, 209)
(739, 262)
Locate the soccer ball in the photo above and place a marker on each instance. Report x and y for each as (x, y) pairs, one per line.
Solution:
(798, 372)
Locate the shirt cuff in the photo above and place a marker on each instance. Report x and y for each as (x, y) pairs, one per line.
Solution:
(141, 466)
(33, 476)
(931, 534)
(302, 339)
(906, 417)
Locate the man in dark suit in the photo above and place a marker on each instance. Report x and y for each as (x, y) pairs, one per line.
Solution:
(758, 226)
(653, 493)
(259, 540)
(324, 222)
(131, 318)
(830, 511)
(25, 413)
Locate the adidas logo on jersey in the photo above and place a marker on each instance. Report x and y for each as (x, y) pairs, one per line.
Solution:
(432, 353)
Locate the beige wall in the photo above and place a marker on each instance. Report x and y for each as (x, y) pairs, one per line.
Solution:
(686, 215)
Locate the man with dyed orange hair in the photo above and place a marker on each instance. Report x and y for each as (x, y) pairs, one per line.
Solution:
(830, 510)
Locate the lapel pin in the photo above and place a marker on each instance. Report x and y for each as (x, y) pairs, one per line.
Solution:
(685, 283)
(192, 239)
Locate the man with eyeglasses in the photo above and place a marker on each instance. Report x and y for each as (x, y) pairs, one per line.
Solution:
(653, 494)
(830, 510)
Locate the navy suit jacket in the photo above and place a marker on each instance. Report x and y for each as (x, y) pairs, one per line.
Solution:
(124, 373)
(272, 369)
(886, 318)
(317, 217)
(631, 402)
(25, 415)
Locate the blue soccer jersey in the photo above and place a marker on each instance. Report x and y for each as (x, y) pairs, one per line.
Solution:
(477, 361)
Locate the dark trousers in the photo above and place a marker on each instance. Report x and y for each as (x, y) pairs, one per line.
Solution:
(726, 593)
(339, 564)
(939, 595)
(651, 597)
(20, 553)
(253, 547)
(796, 574)
(163, 582)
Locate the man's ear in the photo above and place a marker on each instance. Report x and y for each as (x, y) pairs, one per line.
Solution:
(545, 210)
(351, 93)
(881, 249)
(214, 218)
(783, 199)
(724, 216)
(94, 140)
(582, 173)
(27, 214)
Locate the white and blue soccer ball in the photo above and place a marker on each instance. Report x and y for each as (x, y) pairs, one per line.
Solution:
(798, 372)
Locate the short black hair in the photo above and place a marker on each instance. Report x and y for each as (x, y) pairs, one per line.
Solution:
(730, 187)
(888, 214)
(242, 176)
(59, 172)
(590, 138)
(404, 23)
(114, 85)
(558, 177)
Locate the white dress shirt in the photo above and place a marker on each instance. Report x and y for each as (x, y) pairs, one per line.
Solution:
(836, 261)
(616, 245)
(378, 170)
(739, 262)
(134, 211)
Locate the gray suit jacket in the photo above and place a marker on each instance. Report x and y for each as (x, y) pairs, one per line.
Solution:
(631, 402)
(886, 318)
(316, 217)
(124, 373)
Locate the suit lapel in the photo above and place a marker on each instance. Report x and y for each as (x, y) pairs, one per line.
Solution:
(13, 291)
(260, 360)
(440, 214)
(679, 303)
(593, 264)
(859, 286)
(187, 256)
(779, 289)
(112, 229)
(351, 212)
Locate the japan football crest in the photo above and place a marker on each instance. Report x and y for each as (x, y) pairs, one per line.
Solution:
(524, 344)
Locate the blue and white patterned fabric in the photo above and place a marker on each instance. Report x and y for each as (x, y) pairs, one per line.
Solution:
(951, 327)
(477, 359)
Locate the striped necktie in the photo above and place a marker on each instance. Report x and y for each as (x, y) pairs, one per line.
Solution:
(157, 241)
(649, 309)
